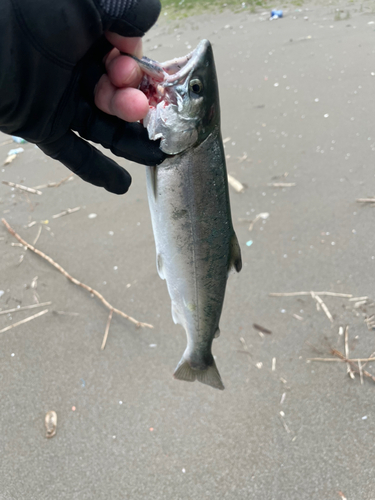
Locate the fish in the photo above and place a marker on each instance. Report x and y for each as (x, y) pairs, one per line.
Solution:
(196, 245)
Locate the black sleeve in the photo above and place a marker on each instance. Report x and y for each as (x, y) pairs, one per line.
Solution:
(51, 54)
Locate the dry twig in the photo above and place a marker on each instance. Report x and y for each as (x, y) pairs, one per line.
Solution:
(322, 305)
(55, 184)
(349, 370)
(37, 236)
(74, 280)
(66, 212)
(281, 184)
(296, 294)
(107, 329)
(24, 321)
(366, 200)
(22, 188)
(366, 360)
(32, 306)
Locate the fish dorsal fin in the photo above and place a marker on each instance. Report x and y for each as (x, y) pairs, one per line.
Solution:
(235, 261)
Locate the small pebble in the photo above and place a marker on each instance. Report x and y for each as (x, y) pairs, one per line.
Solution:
(92, 216)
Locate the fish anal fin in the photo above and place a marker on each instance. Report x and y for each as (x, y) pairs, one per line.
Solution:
(235, 261)
(176, 315)
(210, 376)
(217, 333)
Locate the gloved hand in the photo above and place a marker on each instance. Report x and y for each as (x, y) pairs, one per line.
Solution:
(51, 58)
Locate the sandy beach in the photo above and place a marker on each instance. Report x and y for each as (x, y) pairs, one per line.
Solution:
(297, 105)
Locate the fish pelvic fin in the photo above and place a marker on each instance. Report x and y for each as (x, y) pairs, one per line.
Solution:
(209, 376)
(235, 260)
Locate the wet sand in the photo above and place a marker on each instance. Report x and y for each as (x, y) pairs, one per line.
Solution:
(297, 103)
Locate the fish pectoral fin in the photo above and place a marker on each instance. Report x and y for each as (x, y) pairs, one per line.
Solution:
(209, 376)
(159, 266)
(235, 261)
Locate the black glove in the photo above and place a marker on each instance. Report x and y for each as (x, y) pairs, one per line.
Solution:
(51, 57)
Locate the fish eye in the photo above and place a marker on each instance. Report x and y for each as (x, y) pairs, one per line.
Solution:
(196, 86)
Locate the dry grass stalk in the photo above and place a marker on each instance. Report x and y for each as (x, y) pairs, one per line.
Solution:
(366, 200)
(37, 236)
(360, 370)
(107, 329)
(55, 184)
(263, 215)
(348, 367)
(22, 188)
(370, 322)
(32, 306)
(26, 320)
(366, 360)
(281, 184)
(298, 317)
(322, 305)
(66, 212)
(296, 294)
(74, 280)
(337, 353)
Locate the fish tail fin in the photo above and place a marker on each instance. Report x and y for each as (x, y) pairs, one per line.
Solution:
(209, 376)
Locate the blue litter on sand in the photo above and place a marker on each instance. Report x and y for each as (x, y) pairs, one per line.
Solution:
(249, 243)
(18, 140)
(276, 14)
(15, 151)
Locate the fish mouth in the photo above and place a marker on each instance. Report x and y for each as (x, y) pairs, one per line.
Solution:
(179, 68)
(159, 76)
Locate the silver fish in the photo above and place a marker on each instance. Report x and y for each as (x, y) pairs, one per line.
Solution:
(196, 245)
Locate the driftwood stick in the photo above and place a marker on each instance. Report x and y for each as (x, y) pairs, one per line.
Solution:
(74, 280)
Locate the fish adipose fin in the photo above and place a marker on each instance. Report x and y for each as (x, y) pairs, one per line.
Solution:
(235, 261)
(210, 376)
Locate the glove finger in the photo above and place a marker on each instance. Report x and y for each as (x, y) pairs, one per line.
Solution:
(88, 163)
(129, 140)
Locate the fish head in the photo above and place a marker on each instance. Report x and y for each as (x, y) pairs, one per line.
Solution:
(184, 106)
